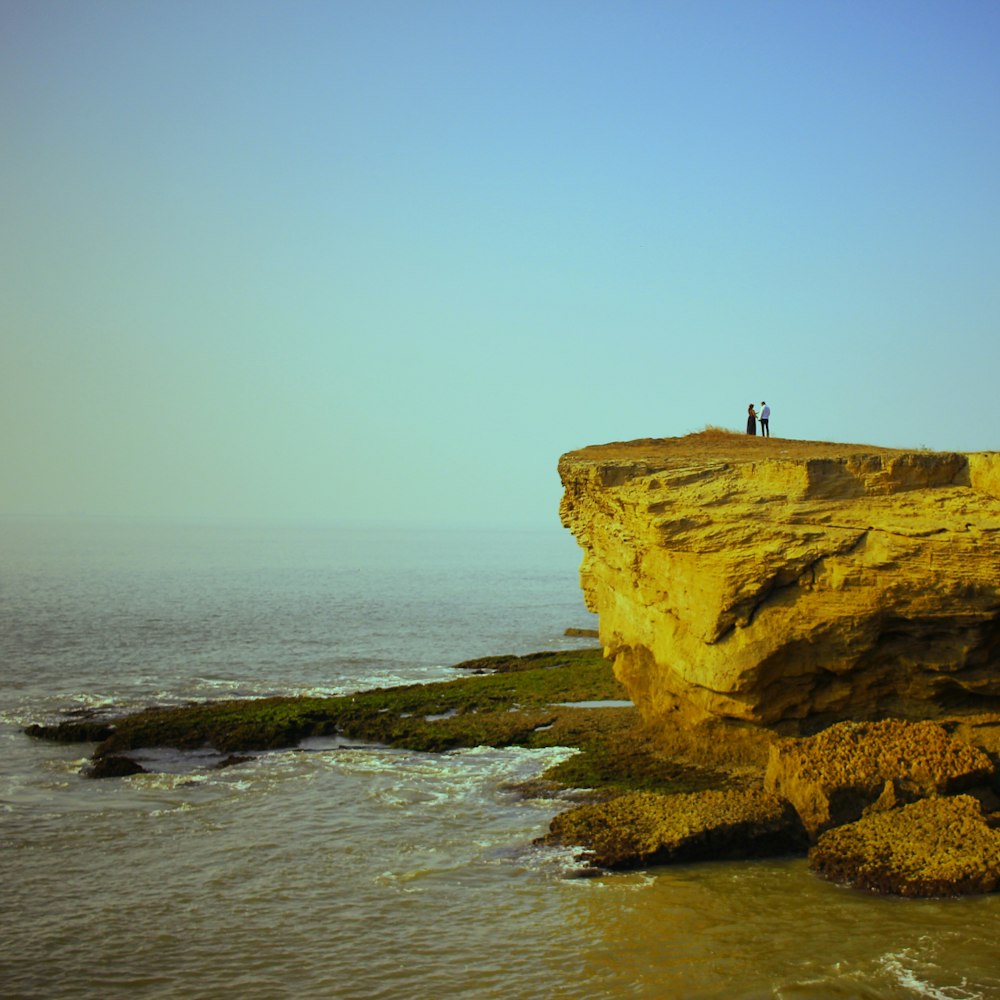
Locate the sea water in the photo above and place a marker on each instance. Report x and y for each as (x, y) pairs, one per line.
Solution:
(337, 871)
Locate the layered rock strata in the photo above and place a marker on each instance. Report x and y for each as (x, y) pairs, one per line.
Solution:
(791, 584)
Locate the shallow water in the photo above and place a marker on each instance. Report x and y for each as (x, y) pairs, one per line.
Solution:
(357, 873)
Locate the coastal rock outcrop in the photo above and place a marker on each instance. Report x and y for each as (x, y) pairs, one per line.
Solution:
(933, 847)
(644, 828)
(791, 584)
(853, 768)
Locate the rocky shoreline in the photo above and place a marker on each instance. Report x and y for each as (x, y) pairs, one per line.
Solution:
(902, 807)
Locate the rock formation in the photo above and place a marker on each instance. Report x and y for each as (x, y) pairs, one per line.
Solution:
(855, 768)
(791, 584)
(892, 806)
(932, 847)
(642, 828)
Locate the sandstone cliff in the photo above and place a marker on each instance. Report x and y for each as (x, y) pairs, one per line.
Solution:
(791, 583)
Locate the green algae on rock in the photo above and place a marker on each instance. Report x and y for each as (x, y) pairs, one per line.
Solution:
(933, 847)
(618, 754)
(515, 706)
(646, 828)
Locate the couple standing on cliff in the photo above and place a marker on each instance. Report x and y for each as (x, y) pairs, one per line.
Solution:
(765, 420)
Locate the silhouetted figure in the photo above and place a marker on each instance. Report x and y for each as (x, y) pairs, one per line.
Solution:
(751, 420)
(765, 417)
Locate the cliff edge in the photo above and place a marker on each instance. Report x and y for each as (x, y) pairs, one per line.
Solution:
(791, 584)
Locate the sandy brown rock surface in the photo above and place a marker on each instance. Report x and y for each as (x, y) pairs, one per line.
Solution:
(934, 847)
(837, 775)
(643, 828)
(788, 583)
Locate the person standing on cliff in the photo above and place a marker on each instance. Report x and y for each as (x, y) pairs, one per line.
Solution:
(751, 420)
(765, 416)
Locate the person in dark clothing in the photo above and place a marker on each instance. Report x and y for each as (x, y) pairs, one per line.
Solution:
(751, 420)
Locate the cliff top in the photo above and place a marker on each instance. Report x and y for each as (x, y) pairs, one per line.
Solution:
(727, 446)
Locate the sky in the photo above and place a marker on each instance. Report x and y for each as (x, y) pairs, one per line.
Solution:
(389, 260)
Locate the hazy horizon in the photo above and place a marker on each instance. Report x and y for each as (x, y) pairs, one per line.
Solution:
(389, 261)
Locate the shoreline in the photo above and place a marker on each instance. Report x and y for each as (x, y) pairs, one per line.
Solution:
(686, 793)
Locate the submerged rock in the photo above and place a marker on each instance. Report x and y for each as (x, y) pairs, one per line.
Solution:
(233, 760)
(833, 777)
(934, 847)
(645, 828)
(85, 730)
(790, 583)
(113, 766)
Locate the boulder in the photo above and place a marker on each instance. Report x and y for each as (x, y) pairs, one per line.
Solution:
(113, 766)
(833, 777)
(934, 847)
(646, 828)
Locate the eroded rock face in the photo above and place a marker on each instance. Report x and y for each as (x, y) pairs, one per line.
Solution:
(791, 584)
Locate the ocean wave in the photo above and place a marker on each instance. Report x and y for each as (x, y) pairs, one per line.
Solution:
(913, 972)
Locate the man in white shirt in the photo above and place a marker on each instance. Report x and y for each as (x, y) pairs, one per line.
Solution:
(765, 416)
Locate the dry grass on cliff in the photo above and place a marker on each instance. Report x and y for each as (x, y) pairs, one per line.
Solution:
(721, 444)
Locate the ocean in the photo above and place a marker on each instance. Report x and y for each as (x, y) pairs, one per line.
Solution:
(329, 871)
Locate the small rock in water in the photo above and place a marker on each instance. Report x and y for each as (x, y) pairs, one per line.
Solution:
(231, 761)
(113, 766)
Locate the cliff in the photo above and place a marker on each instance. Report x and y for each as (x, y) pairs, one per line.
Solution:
(788, 583)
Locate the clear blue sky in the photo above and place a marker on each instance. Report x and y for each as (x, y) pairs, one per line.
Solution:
(391, 259)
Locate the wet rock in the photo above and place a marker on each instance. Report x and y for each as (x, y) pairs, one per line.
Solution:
(72, 731)
(934, 847)
(113, 766)
(543, 788)
(833, 777)
(509, 663)
(231, 761)
(645, 828)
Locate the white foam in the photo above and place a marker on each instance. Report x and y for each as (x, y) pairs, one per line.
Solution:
(900, 966)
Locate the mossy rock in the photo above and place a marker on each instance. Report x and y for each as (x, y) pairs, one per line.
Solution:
(509, 662)
(639, 829)
(618, 752)
(72, 731)
(524, 704)
(933, 847)
(510, 707)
